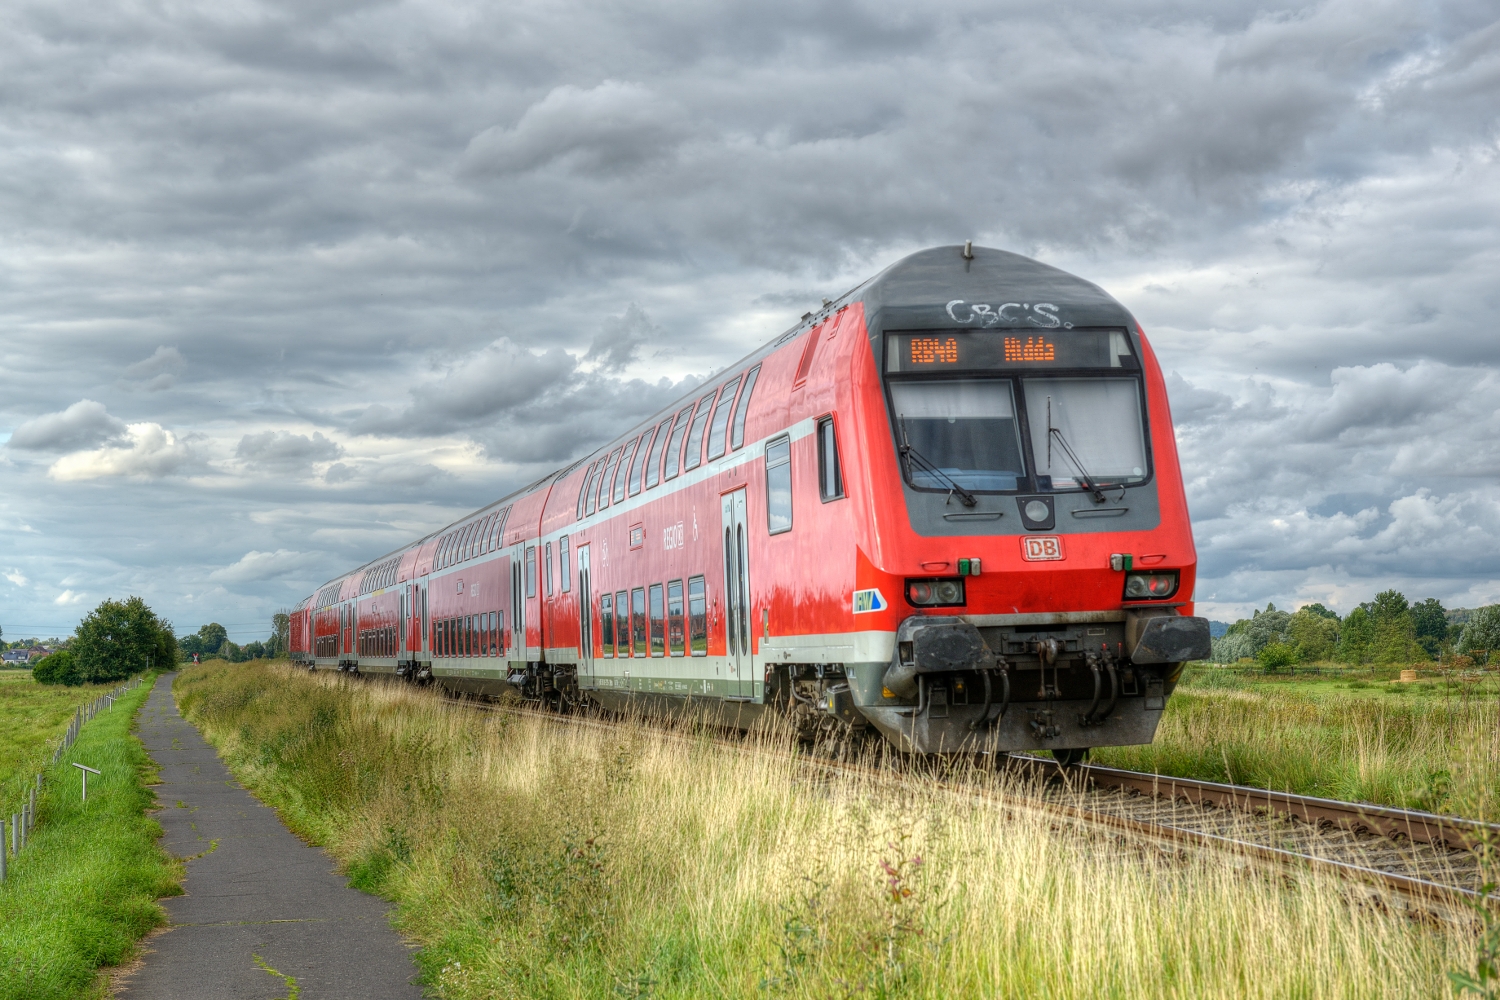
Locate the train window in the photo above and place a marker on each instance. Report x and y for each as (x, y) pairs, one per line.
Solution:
(675, 644)
(1085, 423)
(960, 433)
(588, 476)
(497, 620)
(779, 485)
(531, 571)
(658, 622)
(609, 478)
(692, 453)
(564, 571)
(591, 491)
(637, 466)
(674, 446)
(622, 623)
(607, 624)
(653, 464)
(499, 532)
(438, 635)
(638, 622)
(623, 473)
(737, 437)
(547, 566)
(697, 616)
(830, 476)
(466, 547)
(718, 432)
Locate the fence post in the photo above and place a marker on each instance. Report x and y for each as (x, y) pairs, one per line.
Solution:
(15, 834)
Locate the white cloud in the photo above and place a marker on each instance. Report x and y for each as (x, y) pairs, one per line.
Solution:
(152, 452)
(68, 598)
(16, 577)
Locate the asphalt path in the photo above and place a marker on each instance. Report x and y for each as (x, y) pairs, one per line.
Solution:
(264, 914)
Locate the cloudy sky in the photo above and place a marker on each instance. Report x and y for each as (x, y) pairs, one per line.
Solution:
(285, 284)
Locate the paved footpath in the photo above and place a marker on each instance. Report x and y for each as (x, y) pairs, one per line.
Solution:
(257, 897)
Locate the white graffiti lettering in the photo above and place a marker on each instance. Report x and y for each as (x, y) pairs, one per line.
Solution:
(984, 315)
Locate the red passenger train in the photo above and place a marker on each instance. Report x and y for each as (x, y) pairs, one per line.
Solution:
(945, 507)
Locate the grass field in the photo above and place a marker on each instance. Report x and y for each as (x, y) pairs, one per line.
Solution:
(32, 719)
(1341, 733)
(85, 888)
(539, 859)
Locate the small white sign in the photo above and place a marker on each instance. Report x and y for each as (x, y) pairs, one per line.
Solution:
(1042, 548)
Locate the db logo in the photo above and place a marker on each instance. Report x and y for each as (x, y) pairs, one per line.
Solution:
(1041, 548)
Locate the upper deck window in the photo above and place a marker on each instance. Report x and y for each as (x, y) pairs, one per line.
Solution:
(737, 438)
(674, 445)
(638, 466)
(962, 432)
(653, 464)
(692, 453)
(718, 433)
(625, 465)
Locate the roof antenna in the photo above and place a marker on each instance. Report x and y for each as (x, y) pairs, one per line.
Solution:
(968, 249)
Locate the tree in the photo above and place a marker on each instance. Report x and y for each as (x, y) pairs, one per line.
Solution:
(1355, 637)
(57, 668)
(281, 632)
(1275, 655)
(1482, 631)
(1320, 611)
(121, 638)
(1395, 638)
(1312, 635)
(1430, 623)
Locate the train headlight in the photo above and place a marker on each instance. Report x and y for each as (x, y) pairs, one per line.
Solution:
(935, 593)
(1150, 586)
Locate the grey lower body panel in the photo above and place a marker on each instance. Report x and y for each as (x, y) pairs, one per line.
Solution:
(945, 728)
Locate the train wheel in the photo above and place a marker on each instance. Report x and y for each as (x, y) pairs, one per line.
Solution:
(1071, 756)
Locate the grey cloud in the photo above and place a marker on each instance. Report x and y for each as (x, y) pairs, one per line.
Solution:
(283, 451)
(81, 425)
(159, 371)
(622, 338)
(608, 129)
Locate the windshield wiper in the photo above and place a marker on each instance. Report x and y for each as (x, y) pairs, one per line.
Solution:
(915, 457)
(1073, 459)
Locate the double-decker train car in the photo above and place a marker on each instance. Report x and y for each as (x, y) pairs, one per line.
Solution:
(945, 508)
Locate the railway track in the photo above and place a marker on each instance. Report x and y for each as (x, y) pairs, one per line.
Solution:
(1433, 864)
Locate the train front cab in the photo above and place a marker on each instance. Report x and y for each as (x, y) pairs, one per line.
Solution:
(1036, 562)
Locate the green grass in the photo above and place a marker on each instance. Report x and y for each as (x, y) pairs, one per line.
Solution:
(536, 858)
(1344, 733)
(85, 889)
(32, 719)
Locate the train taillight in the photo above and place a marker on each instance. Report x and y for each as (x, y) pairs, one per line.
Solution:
(1150, 586)
(935, 593)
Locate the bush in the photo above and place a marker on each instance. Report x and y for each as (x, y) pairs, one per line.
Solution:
(122, 638)
(1277, 655)
(57, 668)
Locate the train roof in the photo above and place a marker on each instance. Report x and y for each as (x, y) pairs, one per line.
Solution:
(919, 291)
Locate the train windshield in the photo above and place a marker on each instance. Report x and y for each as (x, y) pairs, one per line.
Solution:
(1085, 431)
(959, 432)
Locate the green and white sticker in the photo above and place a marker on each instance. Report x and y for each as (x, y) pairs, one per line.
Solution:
(869, 600)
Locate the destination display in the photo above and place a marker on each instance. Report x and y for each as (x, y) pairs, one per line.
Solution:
(977, 350)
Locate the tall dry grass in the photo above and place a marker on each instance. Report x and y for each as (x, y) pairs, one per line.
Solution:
(534, 858)
(1427, 746)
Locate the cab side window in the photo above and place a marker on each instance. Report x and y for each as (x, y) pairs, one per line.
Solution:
(830, 475)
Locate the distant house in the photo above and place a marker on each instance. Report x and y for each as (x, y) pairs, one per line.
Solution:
(15, 656)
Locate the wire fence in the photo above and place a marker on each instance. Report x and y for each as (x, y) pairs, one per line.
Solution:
(22, 823)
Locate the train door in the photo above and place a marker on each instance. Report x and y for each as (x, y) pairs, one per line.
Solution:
(401, 624)
(585, 619)
(736, 597)
(518, 605)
